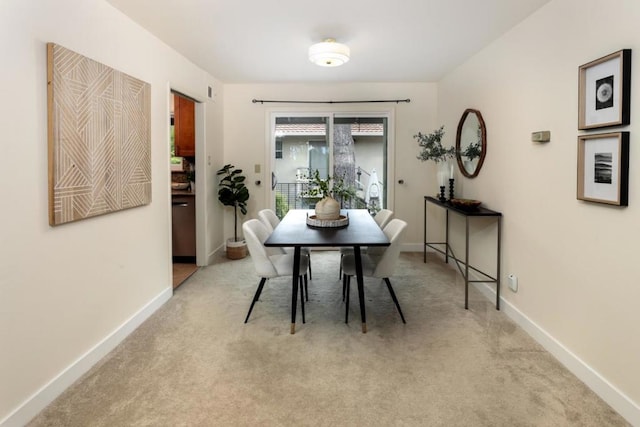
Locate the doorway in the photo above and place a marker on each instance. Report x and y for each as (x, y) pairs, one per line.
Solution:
(183, 186)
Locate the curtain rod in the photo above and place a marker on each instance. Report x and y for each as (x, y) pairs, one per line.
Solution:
(397, 101)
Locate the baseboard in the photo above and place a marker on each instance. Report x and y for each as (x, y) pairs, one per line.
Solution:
(214, 254)
(620, 402)
(43, 397)
(412, 247)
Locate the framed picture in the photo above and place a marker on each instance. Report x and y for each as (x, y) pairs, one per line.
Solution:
(99, 138)
(603, 168)
(604, 91)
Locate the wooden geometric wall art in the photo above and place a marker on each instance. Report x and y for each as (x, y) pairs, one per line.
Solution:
(99, 134)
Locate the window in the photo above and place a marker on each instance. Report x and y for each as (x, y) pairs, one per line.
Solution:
(351, 146)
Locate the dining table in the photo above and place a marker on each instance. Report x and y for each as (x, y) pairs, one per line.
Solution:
(294, 231)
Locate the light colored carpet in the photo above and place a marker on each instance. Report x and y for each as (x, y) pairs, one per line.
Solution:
(194, 362)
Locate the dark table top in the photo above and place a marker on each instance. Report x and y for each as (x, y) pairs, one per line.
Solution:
(294, 231)
(479, 211)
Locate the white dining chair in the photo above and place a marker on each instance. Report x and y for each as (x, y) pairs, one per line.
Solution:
(379, 264)
(271, 221)
(271, 262)
(381, 218)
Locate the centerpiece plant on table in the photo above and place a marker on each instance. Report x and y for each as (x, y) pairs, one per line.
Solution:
(328, 207)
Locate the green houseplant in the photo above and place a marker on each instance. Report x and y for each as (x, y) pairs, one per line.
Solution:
(233, 192)
(324, 187)
(431, 146)
(472, 150)
(328, 207)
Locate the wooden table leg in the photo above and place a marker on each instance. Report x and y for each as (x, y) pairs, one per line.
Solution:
(358, 259)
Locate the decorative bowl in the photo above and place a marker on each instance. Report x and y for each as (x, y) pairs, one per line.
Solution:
(314, 222)
(179, 185)
(466, 204)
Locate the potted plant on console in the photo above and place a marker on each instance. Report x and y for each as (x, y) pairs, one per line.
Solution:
(233, 192)
(431, 149)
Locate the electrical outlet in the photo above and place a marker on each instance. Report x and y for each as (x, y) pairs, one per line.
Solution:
(513, 282)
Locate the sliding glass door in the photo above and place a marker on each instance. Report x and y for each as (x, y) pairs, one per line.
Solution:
(352, 147)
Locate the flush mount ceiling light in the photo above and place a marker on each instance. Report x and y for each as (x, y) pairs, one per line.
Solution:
(329, 53)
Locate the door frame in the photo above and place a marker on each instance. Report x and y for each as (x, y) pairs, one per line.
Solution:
(270, 137)
(201, 167)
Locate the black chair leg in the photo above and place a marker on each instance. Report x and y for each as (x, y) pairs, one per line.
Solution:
(255, 297)
(302, 299)
(344, 286)
(306, 286)
(340, 275)
(310, 276)
(393, 296)
(348, 286)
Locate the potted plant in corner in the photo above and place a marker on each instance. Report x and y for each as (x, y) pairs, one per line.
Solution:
(233, 192)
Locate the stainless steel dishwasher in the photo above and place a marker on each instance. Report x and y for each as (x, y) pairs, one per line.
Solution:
(183, 211)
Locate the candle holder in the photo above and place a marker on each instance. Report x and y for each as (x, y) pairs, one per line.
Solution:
(442, 198)
(451, 182)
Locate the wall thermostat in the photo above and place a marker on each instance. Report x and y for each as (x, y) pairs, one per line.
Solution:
(541, 136)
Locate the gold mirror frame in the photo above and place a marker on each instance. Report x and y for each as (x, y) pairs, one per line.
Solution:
(467, 170)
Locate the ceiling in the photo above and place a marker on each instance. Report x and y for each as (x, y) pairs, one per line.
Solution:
(260, 41)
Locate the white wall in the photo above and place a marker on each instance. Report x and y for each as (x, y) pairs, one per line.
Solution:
(247, 142)
(66, 289)
(576, 261)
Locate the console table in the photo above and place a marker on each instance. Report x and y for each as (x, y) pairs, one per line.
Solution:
(464, 265)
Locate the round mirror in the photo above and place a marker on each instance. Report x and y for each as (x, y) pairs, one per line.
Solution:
(471, 143)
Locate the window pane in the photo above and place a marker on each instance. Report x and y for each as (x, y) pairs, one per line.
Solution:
(360, 157)
(356, 153)
(303, 149)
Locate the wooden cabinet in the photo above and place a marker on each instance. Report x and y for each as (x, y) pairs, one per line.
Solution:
(184, 126)
(184, 225)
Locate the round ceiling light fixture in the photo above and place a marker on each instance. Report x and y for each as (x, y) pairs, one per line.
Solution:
(329, 53)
